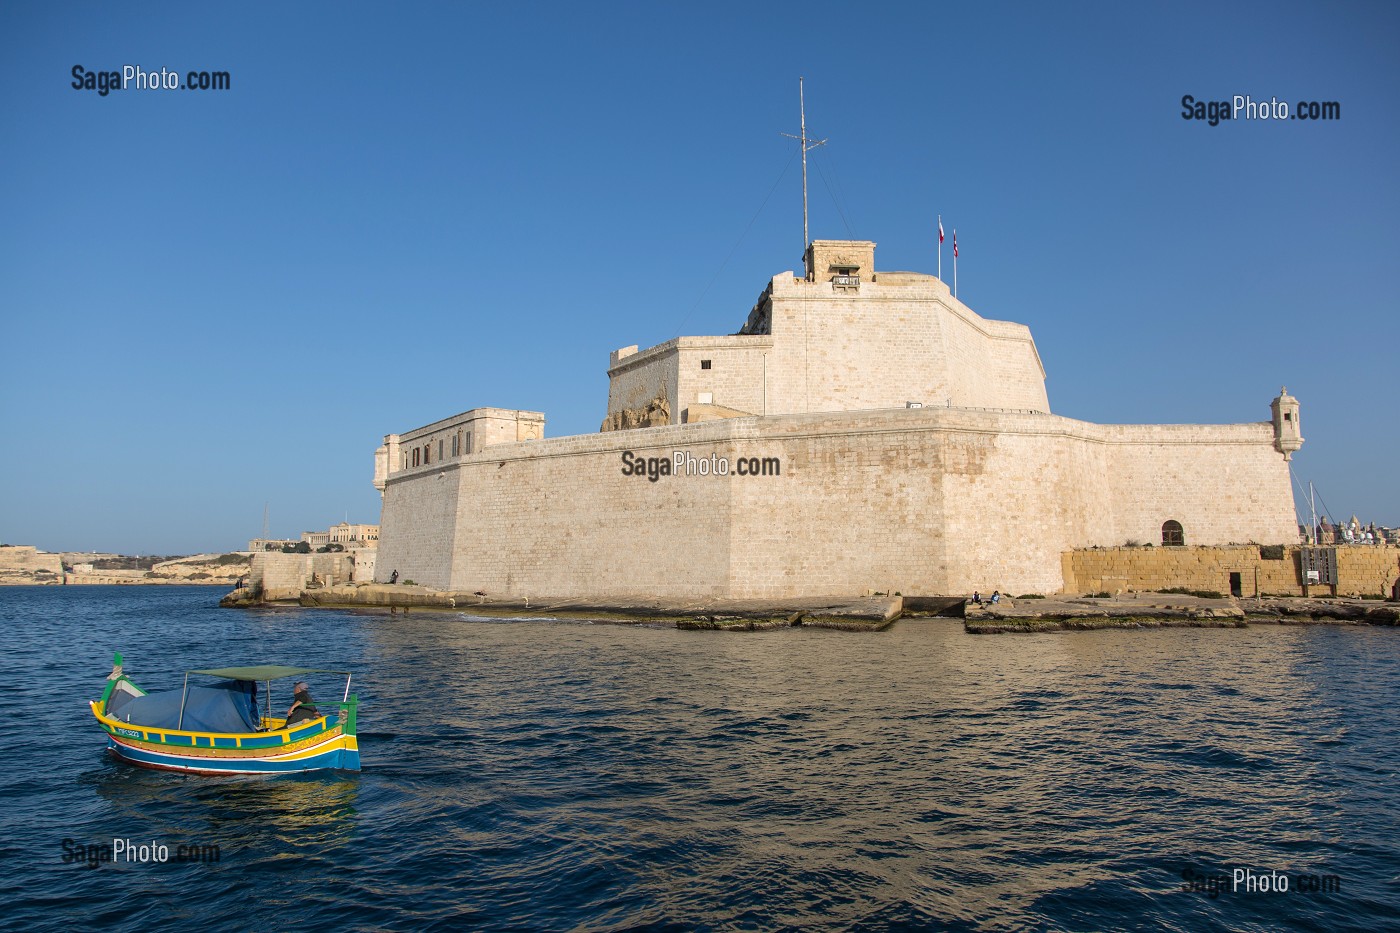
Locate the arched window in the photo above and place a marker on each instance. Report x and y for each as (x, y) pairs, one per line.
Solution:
(1172, 535)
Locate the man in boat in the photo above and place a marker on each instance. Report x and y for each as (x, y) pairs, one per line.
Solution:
(302, 708)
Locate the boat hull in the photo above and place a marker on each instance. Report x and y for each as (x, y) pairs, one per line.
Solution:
(327, 742)
(340, 753)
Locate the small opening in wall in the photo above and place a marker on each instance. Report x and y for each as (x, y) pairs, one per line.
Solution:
(1172, 534)
(1288, 416)
(704, 364)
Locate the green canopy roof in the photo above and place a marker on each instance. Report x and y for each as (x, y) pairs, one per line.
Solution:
(263, 672)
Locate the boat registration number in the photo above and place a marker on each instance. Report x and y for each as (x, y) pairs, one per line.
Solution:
(129, 733)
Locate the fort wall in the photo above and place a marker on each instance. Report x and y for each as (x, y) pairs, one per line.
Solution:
(281, 576)
(26, 564)
(1361, 570)
(876, 345)
(843, 342)
(920, 501)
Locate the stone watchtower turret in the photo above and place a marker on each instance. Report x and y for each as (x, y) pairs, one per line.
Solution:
(1288, 434)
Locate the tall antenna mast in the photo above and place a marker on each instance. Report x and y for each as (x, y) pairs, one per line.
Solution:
(802, 105)
(265, 505)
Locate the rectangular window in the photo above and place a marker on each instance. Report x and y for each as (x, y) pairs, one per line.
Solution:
(416, 454)
(467, 444)
(704, 364)
(439, 448)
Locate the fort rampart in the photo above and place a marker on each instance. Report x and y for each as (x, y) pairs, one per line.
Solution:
(917, 501)
(1250, 569)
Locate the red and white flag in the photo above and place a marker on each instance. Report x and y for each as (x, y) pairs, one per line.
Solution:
(940, 231)
(955, 242)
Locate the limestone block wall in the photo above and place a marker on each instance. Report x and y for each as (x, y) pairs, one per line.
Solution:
(637, 378)
(365, 559)
(27, 565)
(1019, 495)
(674, 371)
(458, 436)
(1224, 483)
(284, 576)
(1360, 570)
(882, 345)
(849, 513)
(29, 559)
(920, 501)
(423, 507)
(990, 364)
(578, 526)
(735, 377)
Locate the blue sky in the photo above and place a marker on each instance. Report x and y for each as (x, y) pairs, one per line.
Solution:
(213, 301)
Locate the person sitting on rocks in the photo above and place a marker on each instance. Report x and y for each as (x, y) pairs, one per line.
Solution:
(996, 597)
(976, 598)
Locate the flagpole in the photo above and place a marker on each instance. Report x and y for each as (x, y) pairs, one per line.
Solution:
(940, 247)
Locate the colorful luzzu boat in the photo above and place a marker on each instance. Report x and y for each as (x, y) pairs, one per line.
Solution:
(218, 729)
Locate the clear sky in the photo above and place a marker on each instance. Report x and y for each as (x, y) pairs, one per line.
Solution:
(215, 301)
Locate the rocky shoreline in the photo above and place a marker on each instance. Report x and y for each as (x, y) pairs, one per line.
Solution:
(860, 614)
(865, 614)
(1161, 610)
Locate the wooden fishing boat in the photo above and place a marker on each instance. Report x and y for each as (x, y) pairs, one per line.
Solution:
(219, 729)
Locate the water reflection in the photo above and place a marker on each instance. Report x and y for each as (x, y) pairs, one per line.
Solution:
(560, 774)
(316, 809)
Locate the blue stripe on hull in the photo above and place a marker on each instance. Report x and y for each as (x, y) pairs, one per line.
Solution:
(342, 758)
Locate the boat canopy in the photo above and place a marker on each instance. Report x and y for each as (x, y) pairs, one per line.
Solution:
(263, 672)
(226, 707)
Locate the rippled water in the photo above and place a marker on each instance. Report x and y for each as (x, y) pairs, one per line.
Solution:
(555, 775)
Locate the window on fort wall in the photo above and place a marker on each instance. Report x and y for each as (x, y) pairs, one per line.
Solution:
(704, 364)
(416, 455)
(439, 450)
(1172, 534)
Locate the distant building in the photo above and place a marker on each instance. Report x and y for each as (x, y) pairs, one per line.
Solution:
(346, 534)
(270, 544)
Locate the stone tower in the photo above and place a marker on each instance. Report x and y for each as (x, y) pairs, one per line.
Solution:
(1288, 435)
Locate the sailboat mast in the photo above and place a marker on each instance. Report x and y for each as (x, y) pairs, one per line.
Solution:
(1312, 507)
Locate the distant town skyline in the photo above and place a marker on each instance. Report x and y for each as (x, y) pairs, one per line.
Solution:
(220, 299)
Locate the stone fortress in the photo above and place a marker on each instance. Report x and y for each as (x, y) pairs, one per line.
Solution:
(863, 431)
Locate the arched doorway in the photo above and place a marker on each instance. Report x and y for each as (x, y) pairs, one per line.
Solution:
(1172, 534)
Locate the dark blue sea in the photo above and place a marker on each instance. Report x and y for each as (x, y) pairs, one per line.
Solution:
(560, 775)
